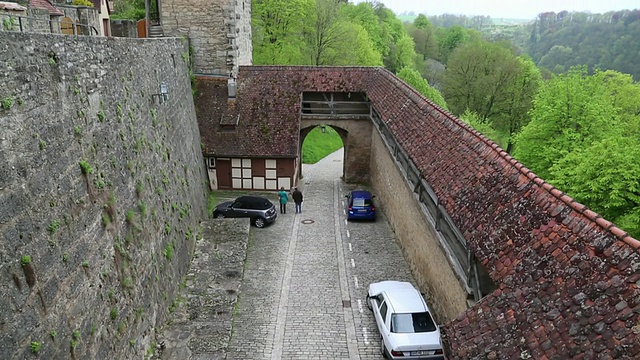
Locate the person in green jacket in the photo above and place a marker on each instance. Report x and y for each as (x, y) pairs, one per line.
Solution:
(284, 197)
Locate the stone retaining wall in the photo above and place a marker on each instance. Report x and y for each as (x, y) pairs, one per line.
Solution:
(102, 189)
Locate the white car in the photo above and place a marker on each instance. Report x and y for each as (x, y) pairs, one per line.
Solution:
(407, 329)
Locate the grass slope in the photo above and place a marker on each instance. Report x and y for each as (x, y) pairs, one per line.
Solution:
(318, 145)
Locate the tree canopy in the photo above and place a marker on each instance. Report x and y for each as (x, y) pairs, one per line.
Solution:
(583, 138)
(413, 78)
(489, 80)
(561, 40)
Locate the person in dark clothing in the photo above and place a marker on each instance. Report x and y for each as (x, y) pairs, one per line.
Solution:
(297, 198)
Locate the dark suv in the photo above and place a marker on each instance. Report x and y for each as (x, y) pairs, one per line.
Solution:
(260, 210)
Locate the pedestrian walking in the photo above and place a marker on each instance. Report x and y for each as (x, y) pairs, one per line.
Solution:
(297, 198)
(284, 197)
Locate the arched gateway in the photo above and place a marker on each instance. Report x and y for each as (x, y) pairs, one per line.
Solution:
(350, 115)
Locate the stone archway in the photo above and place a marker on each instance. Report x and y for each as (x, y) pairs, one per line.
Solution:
(356, 138)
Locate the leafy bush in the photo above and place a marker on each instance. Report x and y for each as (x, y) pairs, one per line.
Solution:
(36, 346)
(85, 167)
(82, 3)
(54, 225)
(25, 260)
(168, 252)
(129, 10)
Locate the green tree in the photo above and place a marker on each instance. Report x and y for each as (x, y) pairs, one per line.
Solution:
(401, 50)
(483, 126)
(402, 54)
(513, 113)
(364, 14)
(449, 39)
(558, 55)
(413, 78)
(278, 28)
(492, 82)
(599, 41)
(327, 31)
(570, 112)
(424, 37)
(605, 176)
(421, 22)
(129, 9)
(625, 93)
(393, 29)
(355, 48)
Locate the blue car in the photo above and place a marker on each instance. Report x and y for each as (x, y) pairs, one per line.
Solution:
(360, 205)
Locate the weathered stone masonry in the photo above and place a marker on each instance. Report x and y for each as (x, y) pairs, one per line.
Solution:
(90, 261)
(219, 32)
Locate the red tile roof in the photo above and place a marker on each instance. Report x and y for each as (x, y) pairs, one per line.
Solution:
(268, 106)
(46, 5)
(11, 6)
(568, 281)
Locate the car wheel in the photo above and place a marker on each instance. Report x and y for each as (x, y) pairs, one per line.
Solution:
(218, 215)
(259, 222)
(369, 303)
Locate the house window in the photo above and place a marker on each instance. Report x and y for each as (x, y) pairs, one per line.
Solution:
(271, 174)
(270, 164)
(212, 163)
(241, 173)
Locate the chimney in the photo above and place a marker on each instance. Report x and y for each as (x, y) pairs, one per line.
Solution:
(231, 87)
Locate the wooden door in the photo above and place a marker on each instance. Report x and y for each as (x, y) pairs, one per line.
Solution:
(142, 28)
(105, 27)
(223, 170)
(66, 26)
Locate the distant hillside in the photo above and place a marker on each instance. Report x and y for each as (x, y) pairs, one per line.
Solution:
(409, 17)
(509, 22)
(559, 41)
(607, 41)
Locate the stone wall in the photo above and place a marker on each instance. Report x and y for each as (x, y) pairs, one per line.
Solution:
(416, 235)
(102, 188)
(33, 20)
(87, 18)
(219, 32)
(124, 28)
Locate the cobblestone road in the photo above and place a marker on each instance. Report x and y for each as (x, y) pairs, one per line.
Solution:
(305, 280)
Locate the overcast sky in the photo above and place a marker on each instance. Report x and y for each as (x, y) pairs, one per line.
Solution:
(513, 9)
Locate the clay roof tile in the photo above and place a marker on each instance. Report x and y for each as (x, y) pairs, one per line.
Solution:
(45, 5)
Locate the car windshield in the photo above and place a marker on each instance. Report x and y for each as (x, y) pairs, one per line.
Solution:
(412, 323)
(361, 202)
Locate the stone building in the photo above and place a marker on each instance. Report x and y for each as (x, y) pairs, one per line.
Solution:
(219, 32)
(102, 7)
(57, 16)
